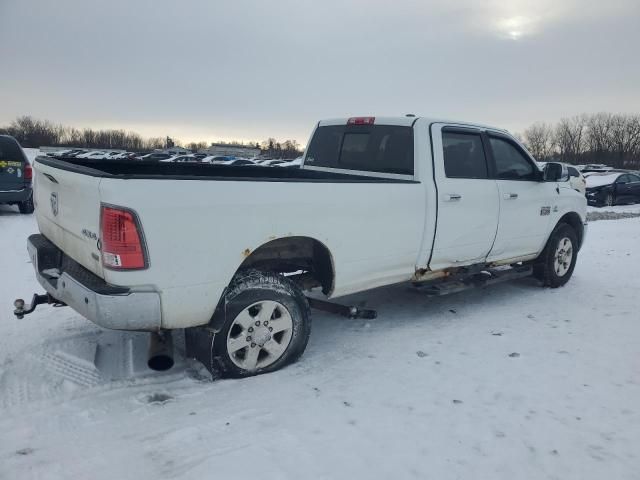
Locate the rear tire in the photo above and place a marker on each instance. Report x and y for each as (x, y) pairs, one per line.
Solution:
(557, 261)
(266, 325)
(26, 207)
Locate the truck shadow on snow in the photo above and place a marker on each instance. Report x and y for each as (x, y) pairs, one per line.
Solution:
(78, 361)
(9, 211)
(87, 358)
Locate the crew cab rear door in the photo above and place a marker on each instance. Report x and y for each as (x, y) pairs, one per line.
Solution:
(468, 207)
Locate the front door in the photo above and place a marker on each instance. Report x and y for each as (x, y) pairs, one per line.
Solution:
(526, 203)
(467, 198)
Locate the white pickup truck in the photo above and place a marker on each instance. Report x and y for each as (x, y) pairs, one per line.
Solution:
(151, 246)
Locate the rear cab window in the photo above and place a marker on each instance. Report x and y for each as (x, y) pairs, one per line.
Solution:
(381, 149)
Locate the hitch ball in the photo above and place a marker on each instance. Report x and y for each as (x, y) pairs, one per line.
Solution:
(19, 311)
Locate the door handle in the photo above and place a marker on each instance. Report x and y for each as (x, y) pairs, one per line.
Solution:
(510, 196)
(452, 197)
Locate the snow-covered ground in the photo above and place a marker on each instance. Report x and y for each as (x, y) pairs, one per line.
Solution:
(613, 213)
(511, 382)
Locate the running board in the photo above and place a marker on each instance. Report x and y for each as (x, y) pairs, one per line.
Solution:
(481, 279)
(344, 310)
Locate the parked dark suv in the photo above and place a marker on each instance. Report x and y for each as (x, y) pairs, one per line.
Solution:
(15, 175)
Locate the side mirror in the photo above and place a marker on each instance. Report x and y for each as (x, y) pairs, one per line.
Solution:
(555, 172)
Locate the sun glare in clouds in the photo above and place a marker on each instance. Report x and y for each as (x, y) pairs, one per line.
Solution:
(515, 27)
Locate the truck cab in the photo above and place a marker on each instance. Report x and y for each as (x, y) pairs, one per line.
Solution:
(485, 199)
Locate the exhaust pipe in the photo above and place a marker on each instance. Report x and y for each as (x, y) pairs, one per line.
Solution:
(160, 351)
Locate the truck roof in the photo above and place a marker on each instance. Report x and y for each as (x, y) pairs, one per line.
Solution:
(404, 121)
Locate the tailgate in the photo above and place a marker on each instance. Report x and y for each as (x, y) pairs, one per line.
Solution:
(68, 213)
(11, 172)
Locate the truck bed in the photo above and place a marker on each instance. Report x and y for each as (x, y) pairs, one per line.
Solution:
(151, 169)
(197, 236)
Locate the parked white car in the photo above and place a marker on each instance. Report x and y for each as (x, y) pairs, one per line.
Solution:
(296, 162)
(271, 162)
(228, 253)
(575, 177)
(94, 154)
(577, 180)
(181, 158)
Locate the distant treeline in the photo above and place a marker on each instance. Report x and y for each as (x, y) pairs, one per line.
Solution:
(612, 139)
(34, 133)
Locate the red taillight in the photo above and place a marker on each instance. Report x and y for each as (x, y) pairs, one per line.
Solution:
(361, 121)
(121, 238)
(28, 171)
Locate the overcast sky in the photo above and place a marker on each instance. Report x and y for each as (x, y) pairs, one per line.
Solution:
(249, 69)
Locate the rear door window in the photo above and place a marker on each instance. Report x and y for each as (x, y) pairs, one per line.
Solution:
(370, 148)
(464, 155)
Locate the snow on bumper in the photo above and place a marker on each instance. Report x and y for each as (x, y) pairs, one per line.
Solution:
(109, 306)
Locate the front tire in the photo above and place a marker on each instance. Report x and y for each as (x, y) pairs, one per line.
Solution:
(558, 259)
(266, 325)
(609, 201)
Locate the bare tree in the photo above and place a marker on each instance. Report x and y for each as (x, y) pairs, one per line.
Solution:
(599, 133)
(539, 139)
(570, 138)
(625, 137)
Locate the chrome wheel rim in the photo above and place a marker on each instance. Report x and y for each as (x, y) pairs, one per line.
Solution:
(562, 258)
(259, 335)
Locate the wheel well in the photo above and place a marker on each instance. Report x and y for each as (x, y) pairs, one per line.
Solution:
(574, 220)
(294, 254)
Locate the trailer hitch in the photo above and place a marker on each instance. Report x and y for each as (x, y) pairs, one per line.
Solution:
(23, 309)
(344, 310)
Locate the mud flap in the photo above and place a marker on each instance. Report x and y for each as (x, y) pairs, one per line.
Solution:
(199, 346)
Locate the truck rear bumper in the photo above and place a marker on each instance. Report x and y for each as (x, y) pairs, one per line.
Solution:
(109, 306)
(15, 196)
